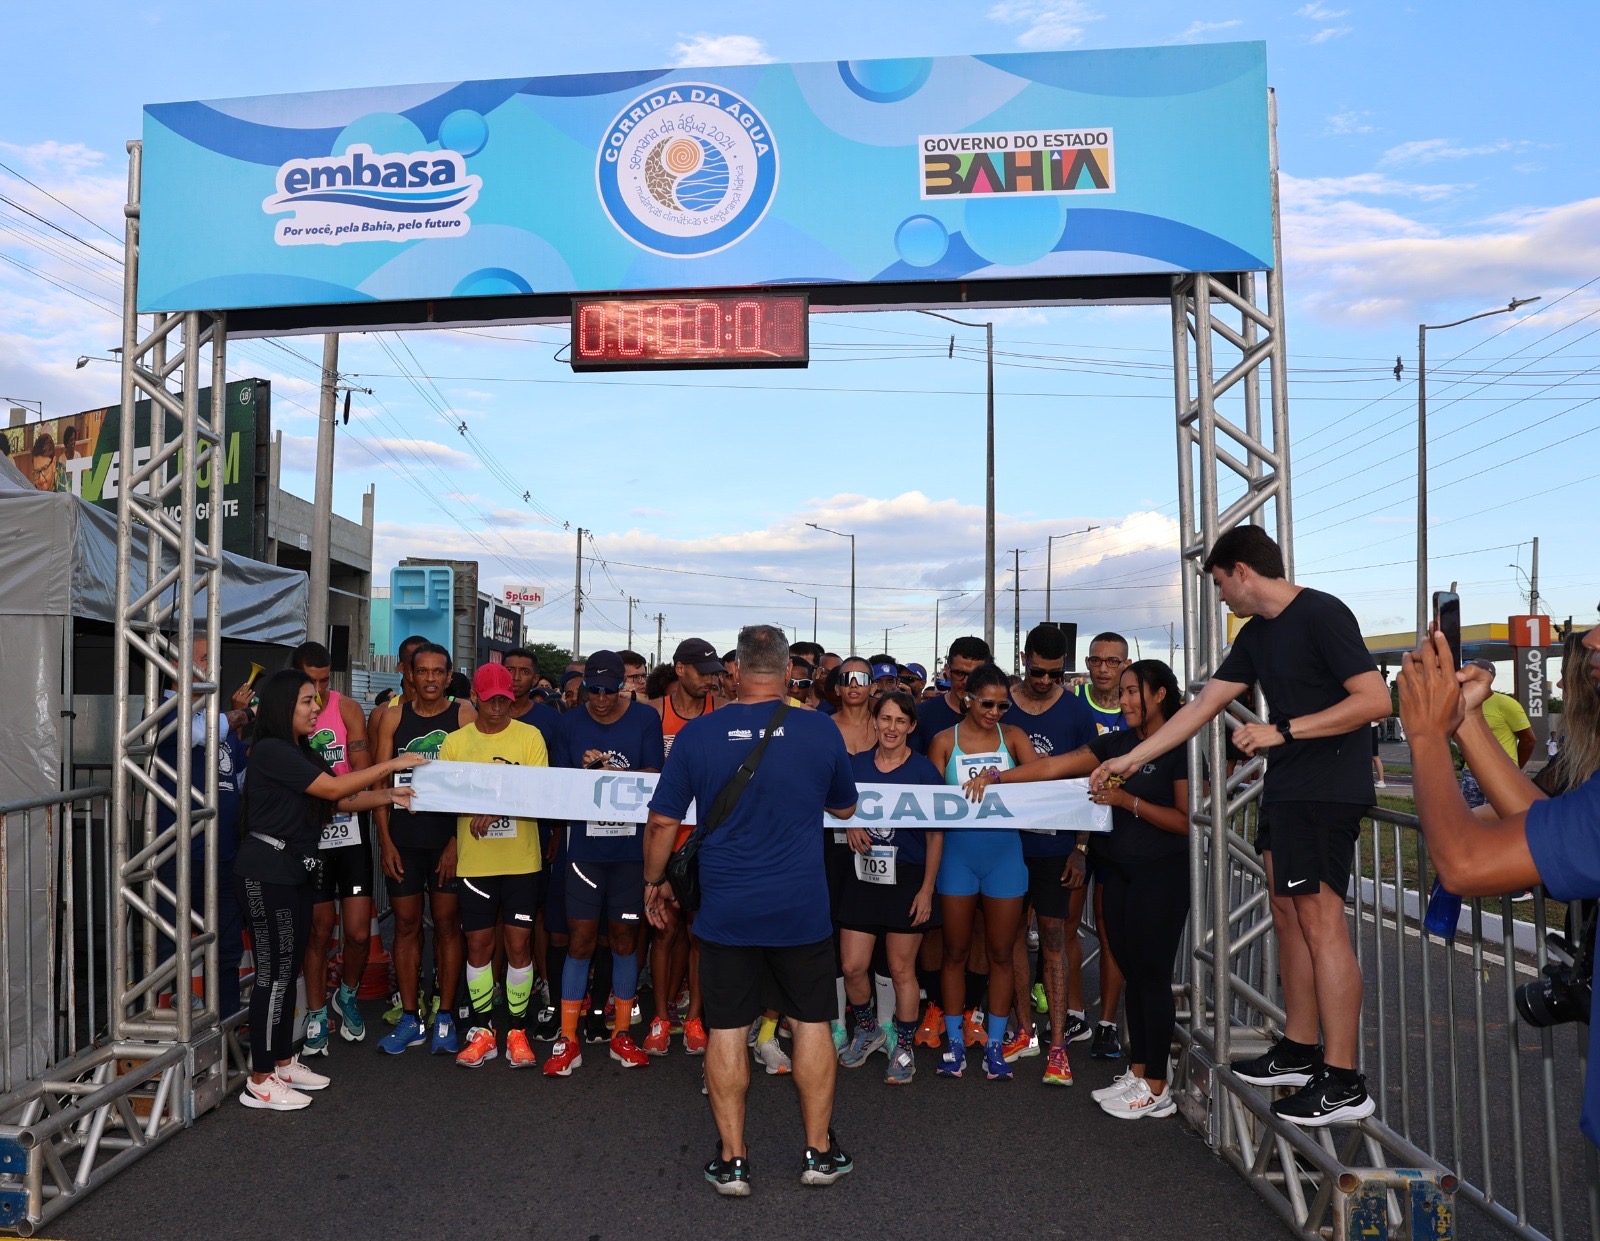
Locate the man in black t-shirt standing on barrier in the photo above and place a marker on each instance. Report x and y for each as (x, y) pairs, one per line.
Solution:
(1323, 690)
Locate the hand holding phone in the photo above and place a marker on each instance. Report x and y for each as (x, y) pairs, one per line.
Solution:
(1447, 620)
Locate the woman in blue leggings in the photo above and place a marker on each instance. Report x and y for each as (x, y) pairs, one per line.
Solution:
(980, 862)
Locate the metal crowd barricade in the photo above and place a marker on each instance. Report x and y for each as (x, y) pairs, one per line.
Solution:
(77, 1106)
(1473, 1103)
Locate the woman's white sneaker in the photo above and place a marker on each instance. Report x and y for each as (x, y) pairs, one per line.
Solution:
(1119, 1085)
(274, 1095)
(1137, 1102)
(301, 1078)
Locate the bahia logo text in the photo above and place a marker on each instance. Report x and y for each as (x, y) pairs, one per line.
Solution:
(360, 196)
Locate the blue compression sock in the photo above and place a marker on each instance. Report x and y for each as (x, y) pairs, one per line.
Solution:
(574, 979)
(997, 1027)
(952, 1030)
(624, 977)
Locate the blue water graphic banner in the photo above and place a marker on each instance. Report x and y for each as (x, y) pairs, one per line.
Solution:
(1048, 164)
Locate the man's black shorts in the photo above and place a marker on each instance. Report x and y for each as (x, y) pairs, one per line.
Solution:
(602, 892)
(1311, 842)
(739, 983)
(346, 872)
(487, 898)
(420, 873)
(1045, 891)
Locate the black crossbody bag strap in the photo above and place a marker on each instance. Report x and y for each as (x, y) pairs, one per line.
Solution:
(734, 788)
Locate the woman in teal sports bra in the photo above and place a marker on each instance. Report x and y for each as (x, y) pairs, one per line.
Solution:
(980, 862)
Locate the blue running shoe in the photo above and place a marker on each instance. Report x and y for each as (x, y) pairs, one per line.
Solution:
(316, 1043)
(351, 1025)
(863, 1042)
(995, 1067)
(954, 1061)
(408, 1032)
(444, 1035)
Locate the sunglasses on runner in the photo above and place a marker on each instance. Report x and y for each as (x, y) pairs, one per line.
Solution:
(802, 683)
(855, 677)
(989, 704)
(591, 688)
(1054, 674)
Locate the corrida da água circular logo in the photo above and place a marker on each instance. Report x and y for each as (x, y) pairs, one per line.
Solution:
(687, 169)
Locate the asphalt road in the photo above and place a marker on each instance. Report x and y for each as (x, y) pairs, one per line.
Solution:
(415, 1147)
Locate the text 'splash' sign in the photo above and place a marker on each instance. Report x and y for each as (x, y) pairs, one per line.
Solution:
(923, 170)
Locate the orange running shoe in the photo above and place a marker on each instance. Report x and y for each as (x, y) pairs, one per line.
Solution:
(519, 1051)
(694, 1036)
(627, 1053)
(480, 1048)
(659, 1038)
(931, 1032)
(565, 1056)
(1016, 1046)
(976, 1033)
(1057, 1071)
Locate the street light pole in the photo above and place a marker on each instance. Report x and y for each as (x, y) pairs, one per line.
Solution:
(887, 630)
(852, 539)
(937, 650)
(1049, 545)
(988, 499)
(813, 599)
(1422, 451)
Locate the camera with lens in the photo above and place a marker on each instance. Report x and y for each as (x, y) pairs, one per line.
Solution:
(1563, 991)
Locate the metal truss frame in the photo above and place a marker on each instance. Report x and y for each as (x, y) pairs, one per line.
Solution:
(167, 1060)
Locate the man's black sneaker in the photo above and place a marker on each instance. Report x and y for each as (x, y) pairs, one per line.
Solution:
(1075, 1030)
(1107, 1043)
(593, 1029)
(1279, 1067)
(825, 1167)
(1326, 1100)
(547, 1025)
(730, 1176)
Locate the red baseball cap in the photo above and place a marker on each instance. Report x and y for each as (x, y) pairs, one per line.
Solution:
(492, 681)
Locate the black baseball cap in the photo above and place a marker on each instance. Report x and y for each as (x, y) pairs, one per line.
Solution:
(604, 668)
(699, 655)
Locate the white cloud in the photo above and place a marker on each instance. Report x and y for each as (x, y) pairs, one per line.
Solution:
(1199, 30)
(719, 49)
(1432, 150)
(1331, 32)
(1349, 258)
(1048, 23)
(1318, 12)
(1343, 123)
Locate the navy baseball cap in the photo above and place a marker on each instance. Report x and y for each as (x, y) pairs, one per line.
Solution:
(603, 668)
(918, 671)
(880, 671)
(699, 655)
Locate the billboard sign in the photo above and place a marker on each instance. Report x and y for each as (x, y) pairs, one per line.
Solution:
(914, 171)
(521, 596)
(80, 454)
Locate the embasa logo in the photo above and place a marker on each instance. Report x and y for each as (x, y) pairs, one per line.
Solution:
(359, 196)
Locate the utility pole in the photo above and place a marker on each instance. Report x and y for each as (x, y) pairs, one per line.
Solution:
(631, 602)
(660, 619)
(577, 599)
(938, 651)
(1172, 643)
(1533, 581)
(813, 599)
(1016, 608)
(322, 496)
(852, 538)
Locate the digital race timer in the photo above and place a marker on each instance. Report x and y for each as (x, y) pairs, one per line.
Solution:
(759, 328)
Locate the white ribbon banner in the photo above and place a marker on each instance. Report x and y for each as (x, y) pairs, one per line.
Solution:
(624, 797)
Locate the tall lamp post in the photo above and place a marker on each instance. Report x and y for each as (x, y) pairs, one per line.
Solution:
(887, 630)
(1422, 450)
(988, 500)
(1049, 560)
(938, 652)
(813, 599)
(852, 539)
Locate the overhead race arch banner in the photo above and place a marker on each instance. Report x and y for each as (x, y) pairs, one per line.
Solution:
(1036, 164)
(624, 797)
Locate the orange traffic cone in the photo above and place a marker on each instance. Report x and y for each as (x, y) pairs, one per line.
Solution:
(377, 981)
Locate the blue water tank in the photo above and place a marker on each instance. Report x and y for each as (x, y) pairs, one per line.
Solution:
(422, 601)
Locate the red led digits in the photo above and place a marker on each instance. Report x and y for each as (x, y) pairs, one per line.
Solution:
(761, 328)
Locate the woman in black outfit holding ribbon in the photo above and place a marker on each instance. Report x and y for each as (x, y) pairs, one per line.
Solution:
(289, 797)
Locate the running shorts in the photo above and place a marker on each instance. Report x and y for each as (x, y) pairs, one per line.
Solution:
(983, 862)
(419, 873)
(485, 899)
(739, 982)
(346, 872)
(1311, 842)
(878, 908)
(603, 891)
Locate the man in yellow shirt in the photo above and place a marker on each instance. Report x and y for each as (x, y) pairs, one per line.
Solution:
(499, 866)
(1508, 721)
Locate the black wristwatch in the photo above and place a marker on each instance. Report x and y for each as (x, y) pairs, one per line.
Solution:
(1283, 729)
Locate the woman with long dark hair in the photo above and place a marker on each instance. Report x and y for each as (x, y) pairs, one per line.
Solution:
(1145, 872)
(980, 864)
(289, 797)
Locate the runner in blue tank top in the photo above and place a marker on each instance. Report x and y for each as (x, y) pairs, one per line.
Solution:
(980, 862)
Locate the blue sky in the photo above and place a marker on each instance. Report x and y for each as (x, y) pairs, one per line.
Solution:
(1437, 161)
